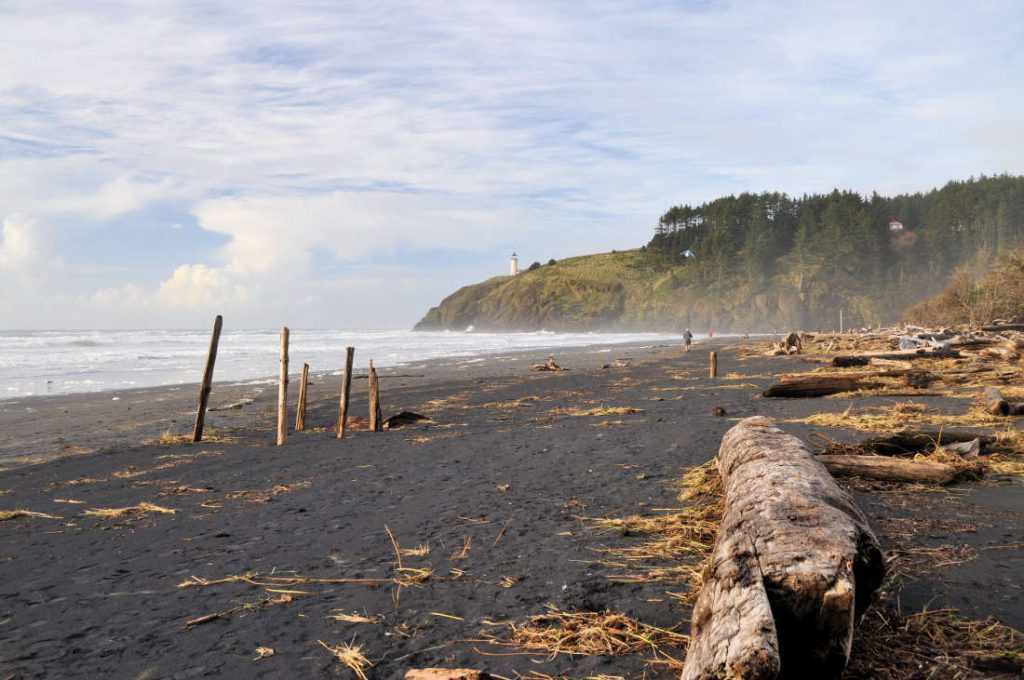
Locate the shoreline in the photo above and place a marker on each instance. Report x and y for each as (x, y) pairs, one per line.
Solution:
(493, 506)
(125, 417)
(65, 366)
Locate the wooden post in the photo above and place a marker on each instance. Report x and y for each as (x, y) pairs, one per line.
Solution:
(207, 384)
(374, 397)
(282, 394)
(714, 364)
(300, 412)
(346, 388)
(840, 321)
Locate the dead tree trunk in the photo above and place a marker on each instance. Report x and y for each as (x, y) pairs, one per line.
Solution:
(889, 469)
(795, 563)
(814, 386)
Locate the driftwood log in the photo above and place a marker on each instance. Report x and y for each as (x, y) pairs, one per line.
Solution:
(923, 438)
(889, 469)
(794, 566)
(814, 386)
(848, 361)
(997, 405)
(999, 328)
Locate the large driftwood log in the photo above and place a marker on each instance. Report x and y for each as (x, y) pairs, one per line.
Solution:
(814, 386)
(794, 565)
(889, 469)
(865, 359)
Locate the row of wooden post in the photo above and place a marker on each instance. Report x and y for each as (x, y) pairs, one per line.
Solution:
(206, 386)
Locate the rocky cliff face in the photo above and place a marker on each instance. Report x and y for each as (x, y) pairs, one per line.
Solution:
(626, 290)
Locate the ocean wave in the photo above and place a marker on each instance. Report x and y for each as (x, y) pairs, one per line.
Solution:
(56, 362)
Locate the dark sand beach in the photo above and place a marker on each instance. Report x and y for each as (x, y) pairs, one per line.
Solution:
(488, 505)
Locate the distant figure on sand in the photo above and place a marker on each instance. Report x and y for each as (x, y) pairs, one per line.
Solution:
(688, 339)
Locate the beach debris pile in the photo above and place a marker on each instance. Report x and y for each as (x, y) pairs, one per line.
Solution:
(549, 365)
(983, 365)
(791, 344)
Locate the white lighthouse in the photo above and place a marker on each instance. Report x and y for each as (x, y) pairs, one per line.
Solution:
(513, 266)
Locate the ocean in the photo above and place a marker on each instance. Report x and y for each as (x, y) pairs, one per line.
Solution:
(36, 363)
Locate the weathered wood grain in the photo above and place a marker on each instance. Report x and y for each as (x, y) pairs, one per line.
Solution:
(795, 564)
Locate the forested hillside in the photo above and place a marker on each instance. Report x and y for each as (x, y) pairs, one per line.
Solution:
(763, 262)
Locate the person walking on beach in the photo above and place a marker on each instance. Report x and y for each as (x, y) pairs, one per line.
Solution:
(688, 339)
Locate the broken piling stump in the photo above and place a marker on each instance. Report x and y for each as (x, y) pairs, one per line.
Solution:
(300, 410)
(794, 566)
(376, 421)
(207, 383)
(282, 391)
(346, 389)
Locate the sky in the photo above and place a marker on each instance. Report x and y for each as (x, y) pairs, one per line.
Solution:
(332, 164)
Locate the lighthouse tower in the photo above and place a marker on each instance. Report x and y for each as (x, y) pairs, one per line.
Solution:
(513, 267)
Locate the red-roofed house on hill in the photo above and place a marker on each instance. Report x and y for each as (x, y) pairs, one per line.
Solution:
(895, 225)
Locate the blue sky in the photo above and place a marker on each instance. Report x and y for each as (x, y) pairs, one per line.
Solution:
(348, 164)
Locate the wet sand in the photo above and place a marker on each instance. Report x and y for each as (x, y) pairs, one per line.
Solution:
(496, 488)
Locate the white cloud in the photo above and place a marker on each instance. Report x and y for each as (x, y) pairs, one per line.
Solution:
(198, 287)
(21, 245)
(368, 133)
(270, 232)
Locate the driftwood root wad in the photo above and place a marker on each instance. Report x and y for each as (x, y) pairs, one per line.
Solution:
(794, 566)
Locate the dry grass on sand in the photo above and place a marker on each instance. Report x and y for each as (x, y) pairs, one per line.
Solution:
(588, 633)
(136, 510)
(890, 645)
(6, 515)
(351, 656)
